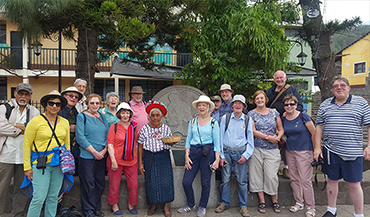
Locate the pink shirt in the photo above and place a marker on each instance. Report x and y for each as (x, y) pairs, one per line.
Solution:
(140, 115)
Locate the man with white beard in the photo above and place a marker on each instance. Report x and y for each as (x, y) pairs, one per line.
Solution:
(14, 117)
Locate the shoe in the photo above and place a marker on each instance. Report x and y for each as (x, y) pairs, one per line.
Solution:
(276, 207)
(329, 214)
(262, 208)
(99, 213)
(295, 209)
(117, 212)
(286, 173)
(133, 211)
(201, 212)
(311, 212)
(186, 208)
(244, 212)
(89, 214)
(221, 207)
(167, 214)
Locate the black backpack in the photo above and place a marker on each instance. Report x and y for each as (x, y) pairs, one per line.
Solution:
(70, 212)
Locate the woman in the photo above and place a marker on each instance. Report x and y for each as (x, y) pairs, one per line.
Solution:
(91, 135)
(265, 160)
(38, 142)
(122, 142)
(110, 110)
(159, 187)
(300, 131)
(202, 145)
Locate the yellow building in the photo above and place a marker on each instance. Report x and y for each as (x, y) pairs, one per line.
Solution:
(352, 61)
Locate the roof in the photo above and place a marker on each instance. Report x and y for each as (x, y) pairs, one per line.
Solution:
(133, 68)
(352, 43)
(304, 73)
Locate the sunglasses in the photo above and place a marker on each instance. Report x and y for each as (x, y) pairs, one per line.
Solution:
(81, 86)
(72, 96)
(94, 103)
(289, 104)
(57, 104)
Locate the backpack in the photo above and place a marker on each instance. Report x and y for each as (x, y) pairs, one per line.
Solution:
(70, 212)
(9, 110)
(246, 121)
(212, 122)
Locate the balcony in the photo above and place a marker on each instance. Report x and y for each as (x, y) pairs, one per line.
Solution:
(11, 58)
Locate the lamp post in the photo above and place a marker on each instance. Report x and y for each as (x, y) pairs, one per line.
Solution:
(301, 56)
(37, 48)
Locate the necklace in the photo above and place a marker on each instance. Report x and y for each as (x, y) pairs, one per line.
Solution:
(94, 115)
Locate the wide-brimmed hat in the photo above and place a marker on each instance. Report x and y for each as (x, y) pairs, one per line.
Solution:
(216, 98)
(240, 98)
(155, 104)
(137, 89)
(225, 87)
(24, 86)
(206, 99)
(124, 105)
(53, 94)
(73, 89)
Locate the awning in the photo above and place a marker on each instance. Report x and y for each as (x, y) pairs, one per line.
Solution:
(133, 68)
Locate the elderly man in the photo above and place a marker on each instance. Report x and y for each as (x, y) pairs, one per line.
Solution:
(237, 145)
(226, 94)
(81, 84)
(339, 124)
(138, 107)
(14, 117)
(73, 95)
(215, 114)
(276, 95)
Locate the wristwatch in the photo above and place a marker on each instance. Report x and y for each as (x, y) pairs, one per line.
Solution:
(267, 137)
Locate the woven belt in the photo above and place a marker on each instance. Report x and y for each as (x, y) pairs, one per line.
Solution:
(234, 149)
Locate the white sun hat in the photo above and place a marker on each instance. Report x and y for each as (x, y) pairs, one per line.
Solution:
(206, 99)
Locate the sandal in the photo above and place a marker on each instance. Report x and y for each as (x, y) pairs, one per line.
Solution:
(311, 212)
(152, 210)
(276, 207)
(262, 208)
(295, 209)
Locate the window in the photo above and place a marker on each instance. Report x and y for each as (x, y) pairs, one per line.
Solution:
(150, 87)
(360, 68)
(2, 32)
(3, 89)
(104, 86)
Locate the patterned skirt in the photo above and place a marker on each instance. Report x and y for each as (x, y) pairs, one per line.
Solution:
(159, 186)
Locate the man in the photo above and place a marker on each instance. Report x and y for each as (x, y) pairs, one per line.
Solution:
(339, 124)
(81, 84)
(73, 95)
(226, 94)
(215, 114)
(237, 145)
(272, 93)
(138, 107)
(13, 120)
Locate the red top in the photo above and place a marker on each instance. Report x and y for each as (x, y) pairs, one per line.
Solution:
(118, 141)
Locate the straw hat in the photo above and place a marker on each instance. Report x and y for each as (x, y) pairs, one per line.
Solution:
(225, 87)
(73, 89)
(53, 94)
(206, 99)
(155, 104)
(137, 89)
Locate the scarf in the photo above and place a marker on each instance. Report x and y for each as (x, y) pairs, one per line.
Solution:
(128, 149)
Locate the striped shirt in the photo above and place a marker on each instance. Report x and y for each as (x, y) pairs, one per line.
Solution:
(342, 130)
(151, 138)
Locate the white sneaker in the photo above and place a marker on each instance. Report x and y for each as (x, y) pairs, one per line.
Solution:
(186, 208)
(201, 212)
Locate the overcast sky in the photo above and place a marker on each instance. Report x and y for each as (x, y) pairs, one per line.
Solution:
(346, 9)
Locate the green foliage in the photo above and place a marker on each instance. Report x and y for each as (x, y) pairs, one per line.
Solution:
(306, 95)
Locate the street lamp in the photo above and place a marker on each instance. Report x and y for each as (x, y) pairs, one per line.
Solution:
(301, 56)
(36, 48)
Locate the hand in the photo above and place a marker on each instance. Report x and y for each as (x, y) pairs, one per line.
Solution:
(114, 165)
(20, 126)
(216, 163)
(104, 151)
(188, 162)
(29, 174)
(273, 139)
(98, 155)
(242, 160)
(171, 143)
(367, 153)
(316, 154)
(222, 162)
(141, 168)
(72, 128)
(284, 114)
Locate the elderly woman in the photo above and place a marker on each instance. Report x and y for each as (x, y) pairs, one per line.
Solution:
(159, 187)
(39, 142)
(265, 160)
(202, 149)
(122, 142)
(300, 131)
(111, 109)
(91, 134)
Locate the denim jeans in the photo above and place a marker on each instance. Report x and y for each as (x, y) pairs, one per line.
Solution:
(241, 175)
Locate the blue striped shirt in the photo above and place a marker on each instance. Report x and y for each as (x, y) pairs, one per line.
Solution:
(342, 130)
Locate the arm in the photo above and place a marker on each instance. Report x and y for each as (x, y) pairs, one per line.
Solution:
(216, 143)
(367, 148)
(280, 128)
(67, 140)
(260, 135)
(250, 141)
(222, 132)
(311, 128)
(317, 142)
(6, 128)
(29, 138)
(141, 167)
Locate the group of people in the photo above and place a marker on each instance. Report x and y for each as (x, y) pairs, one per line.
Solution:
(127, 138)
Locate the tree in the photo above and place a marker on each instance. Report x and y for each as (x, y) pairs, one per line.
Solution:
(236, 43)
(107, 24)
(317, 35)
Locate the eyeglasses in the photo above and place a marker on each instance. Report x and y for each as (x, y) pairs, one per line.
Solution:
(57, 104)
(81, 86)
(23, 94)
(289, 104)
(72, 96)
(339, 85)
(94, 103)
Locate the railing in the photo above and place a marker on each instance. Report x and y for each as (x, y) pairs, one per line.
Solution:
(49, 59)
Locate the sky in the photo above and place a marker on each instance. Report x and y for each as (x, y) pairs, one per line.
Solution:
(346, 9)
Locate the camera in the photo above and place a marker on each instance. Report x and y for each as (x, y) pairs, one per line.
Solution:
(319, 162)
